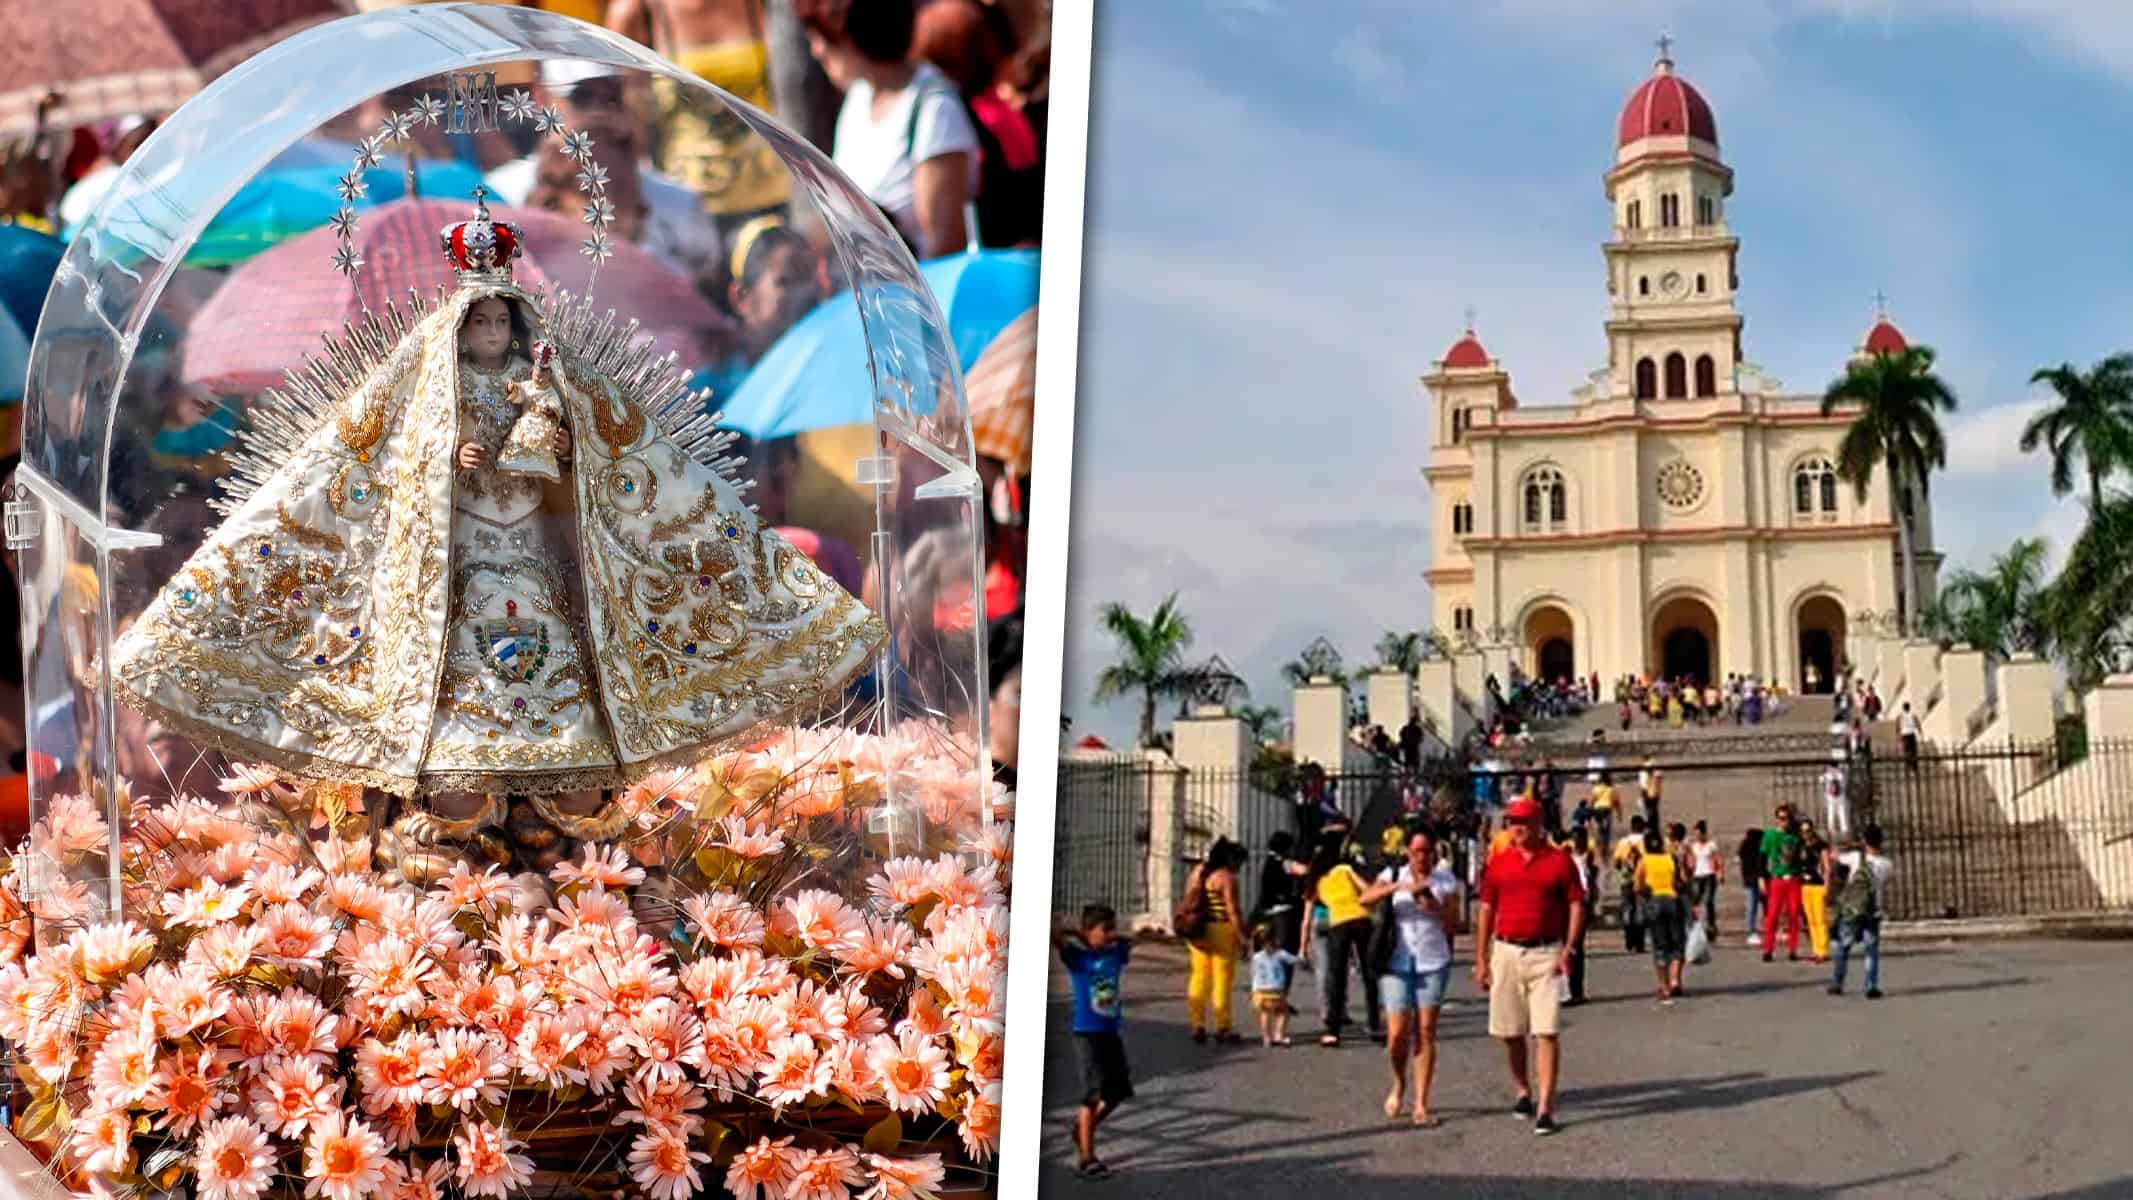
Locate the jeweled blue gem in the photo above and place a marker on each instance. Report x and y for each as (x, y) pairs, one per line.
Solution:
(355, 631)
(318, 660)
(733, 531)
(652, 625)
(688, 647)
(265, 550)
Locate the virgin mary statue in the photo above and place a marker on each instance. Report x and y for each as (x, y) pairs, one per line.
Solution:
(407, 595)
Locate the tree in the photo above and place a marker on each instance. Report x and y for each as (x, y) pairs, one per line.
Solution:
(1401, 652)
(1899, 401)
(1150, 660)
(1262, 723)
(2000, 609)
(2093, 419)
(2089, 607)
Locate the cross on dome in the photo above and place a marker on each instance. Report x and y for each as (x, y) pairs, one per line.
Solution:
(1881, 305)
(1470, 318)
(1666, 45)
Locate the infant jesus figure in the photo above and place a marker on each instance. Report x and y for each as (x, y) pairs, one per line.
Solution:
(537, 436)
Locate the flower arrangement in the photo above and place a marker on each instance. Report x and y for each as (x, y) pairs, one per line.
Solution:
(712, 998)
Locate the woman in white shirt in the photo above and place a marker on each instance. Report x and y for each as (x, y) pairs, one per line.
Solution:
(903, 134)
(1419, 971)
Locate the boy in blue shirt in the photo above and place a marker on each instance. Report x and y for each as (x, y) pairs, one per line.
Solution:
(1095, 958)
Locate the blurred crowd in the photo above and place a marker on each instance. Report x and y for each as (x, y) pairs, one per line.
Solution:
(934, 109)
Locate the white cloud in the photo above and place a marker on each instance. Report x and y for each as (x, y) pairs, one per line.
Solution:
(1374, 72)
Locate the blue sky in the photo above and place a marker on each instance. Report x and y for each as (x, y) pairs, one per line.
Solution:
(1292, 202)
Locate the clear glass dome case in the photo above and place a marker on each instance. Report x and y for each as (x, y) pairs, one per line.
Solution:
(148, 420)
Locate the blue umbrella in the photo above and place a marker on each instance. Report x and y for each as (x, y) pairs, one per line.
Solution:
(815, 377)
(28, 260)
(281, 203)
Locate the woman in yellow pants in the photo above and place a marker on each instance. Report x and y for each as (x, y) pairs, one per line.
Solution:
(1216, 950)
(1814, 889)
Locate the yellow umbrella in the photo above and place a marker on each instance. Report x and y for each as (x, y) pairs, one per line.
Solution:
(1002, 388)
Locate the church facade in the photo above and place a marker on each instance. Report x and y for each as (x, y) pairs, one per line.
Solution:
(1682, 515)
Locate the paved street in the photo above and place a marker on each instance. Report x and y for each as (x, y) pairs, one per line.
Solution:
(1991, 1069)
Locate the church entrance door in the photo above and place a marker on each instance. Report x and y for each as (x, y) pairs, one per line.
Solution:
(1550, 638)
(1685, 640)
(1821, 639)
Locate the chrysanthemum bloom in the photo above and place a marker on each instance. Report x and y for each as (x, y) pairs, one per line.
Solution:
(289, 1096)
(904, 1178)
(394, 1072)
(206, 903)
(226, 951)
(125, 1068)
(281, 883)
(254, 779)
(356, 896)
(824, 1175)
(51, 1050)
(293, 936)
(664, 1166)
(602, 866)
(600, 1054)
(853, 1074)
(795, 1071)
(14, 922)
(391, 974)
(736, 836)
(976, 993)
(809, 1009)
(521, 943)
(668, 1104)
(415, 1182)
(344, 1158)
(722, 918)
(542, 1050)
(913, 1071)
(902, 881)
(232, 1161)
(761, 1171)
(298, 1026)
(984, 1056)
(61, 900)
(464, 889)
(667, 1036)
(245, 1027)
(980, 1126)
(820, 919)
(230, 863)
(467, 1069)
(923, 1017)
(996, 841)
(488, 1164)
(102, 1140)
(396, 1125)
(190, 1001)
(72, 825)
(862, 1017)
(103, 953)
(959, 886)
(625, 978)
(188, 1090)
(881, 949)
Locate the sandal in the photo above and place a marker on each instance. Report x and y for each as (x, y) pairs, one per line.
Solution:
(1424, 1120)
(1331, 1039)
(1392, 1106)
(1093, 1168)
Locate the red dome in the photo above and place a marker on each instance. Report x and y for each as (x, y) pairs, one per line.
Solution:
(1665, 106)
(1884, 338)
(1466, 352)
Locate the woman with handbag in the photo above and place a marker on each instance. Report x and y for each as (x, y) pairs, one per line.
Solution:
(1215, 939)
(1411, 955)
(1339, 889)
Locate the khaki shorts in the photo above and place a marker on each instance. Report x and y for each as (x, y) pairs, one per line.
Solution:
(1522, 995)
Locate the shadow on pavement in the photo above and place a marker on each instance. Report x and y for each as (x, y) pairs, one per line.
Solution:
(1645, 1098)
(1331, 1174)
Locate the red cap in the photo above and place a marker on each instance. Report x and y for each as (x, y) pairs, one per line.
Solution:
(1525, 808)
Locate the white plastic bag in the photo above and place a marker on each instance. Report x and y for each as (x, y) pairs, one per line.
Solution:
(1699, 948)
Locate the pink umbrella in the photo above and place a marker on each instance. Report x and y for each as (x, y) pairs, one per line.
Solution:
(273, 310)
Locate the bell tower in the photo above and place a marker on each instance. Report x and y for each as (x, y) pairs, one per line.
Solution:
(1673, 332)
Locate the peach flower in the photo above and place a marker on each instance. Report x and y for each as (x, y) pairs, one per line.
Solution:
(344, 1158)
(232, 1160)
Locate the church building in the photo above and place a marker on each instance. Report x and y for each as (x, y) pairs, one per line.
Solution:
(1681, 515)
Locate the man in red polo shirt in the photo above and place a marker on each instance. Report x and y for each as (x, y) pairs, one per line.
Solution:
(1532, 911)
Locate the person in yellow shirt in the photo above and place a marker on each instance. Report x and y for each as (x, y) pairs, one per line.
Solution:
(1657, 882)
(1623, 858)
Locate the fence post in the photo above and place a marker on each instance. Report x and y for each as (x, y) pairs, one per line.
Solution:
(1166, 872)
(1322, 723)
(1215, 753)
(1392, 698)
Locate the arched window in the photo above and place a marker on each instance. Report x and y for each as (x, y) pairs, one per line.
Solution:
(1706, 211)
(1462, 618)
(1706, 376)
(1635, 217)
(1546, 500)
(1458, 425)
(1670, 210)
(1700, 289)
(1677, 376)
(1814, 489)
(1644, 285)
(1647, 379)
(1462, 519)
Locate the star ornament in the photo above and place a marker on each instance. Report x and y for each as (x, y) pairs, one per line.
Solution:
(593, 178)
(344, 223)
(352, 186)
(518, 106)
(366, 155)
(549, 118)
(578, 145)
(599, 212)
(429, 109)
(347, 260)
(397, 127)
(596, 247)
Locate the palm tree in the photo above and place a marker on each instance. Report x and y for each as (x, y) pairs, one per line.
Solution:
(1297, 674)
(1262, 723)
(2094, 419)
(1400, 652)
(1151, 657)
(2090, 605)
(1899, 401)
(2001, 609)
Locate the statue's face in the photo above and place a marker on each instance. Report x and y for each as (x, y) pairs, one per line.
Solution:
(487, 332)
